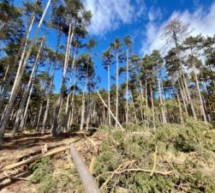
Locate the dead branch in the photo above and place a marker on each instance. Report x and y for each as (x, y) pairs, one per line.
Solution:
(145, 170)
(14, 178)
(124, 165)
(155, 160)
(165, 173)
(92, 164)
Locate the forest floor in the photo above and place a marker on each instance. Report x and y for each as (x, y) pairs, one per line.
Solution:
(174, 158)
(33, 145)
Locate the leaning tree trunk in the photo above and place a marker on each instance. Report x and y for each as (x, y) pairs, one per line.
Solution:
(26, 92)
(183, 97)
(189, 97)
(51, 84)
(18, 79)
(23, 48)
(23, 119)
(67, 110)
(199, 93)
(60, 97)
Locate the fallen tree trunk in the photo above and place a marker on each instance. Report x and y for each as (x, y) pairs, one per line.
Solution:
(114, 117)
(36, 151)
(38, 157)
(15, 178)
(88, 182)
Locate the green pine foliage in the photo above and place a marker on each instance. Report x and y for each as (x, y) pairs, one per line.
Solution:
(186, 150)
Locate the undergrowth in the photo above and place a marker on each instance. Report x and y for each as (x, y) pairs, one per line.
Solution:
(173, 159)
(54, 180)
(187, 151)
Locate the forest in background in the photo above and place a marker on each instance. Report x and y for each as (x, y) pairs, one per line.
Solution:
(150, 92)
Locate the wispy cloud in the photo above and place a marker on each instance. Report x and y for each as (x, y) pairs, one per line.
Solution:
(108, 15)
(201, 22)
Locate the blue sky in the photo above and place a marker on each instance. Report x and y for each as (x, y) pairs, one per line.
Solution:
(144, 21)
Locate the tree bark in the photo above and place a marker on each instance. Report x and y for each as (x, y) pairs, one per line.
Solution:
(82, 111)
(88, 182)
(199, 93)
(153, 108)
(23, 48)
(117, 87)
(163, 115)
(120, 126)
(23, 118)
(18, 79)
(26, 92)
(180, 109)
(67, 110)
(127, 77)
(39, 116)
(51, 84)
(109, 105)
(59, 100)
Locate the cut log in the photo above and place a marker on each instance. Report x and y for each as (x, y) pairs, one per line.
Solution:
(38, 150)
(33, 159)
(19, 176)
(88, 181)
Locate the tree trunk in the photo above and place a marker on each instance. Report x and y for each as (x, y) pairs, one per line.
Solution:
(73, 107)
(183, 97)
(59, 100)
(39, 117)
(23, 48)
(51, 86)
(199, 93)
(153, 109)
(67, 110)
(23, 119)
(26, 92)
(120, 126)
(127, 77)
(117, 87)
(180, 109)
(109, 107)
(82, 111)
(134, 109)
(18, 79)
(189, 97)
(163, 115)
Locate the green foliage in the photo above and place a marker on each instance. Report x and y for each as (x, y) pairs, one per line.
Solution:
(42, 173)
(52, 179)
(189, 149)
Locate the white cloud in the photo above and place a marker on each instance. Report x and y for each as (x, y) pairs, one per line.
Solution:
(154, 14)
(201, 22)
(108, 15)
